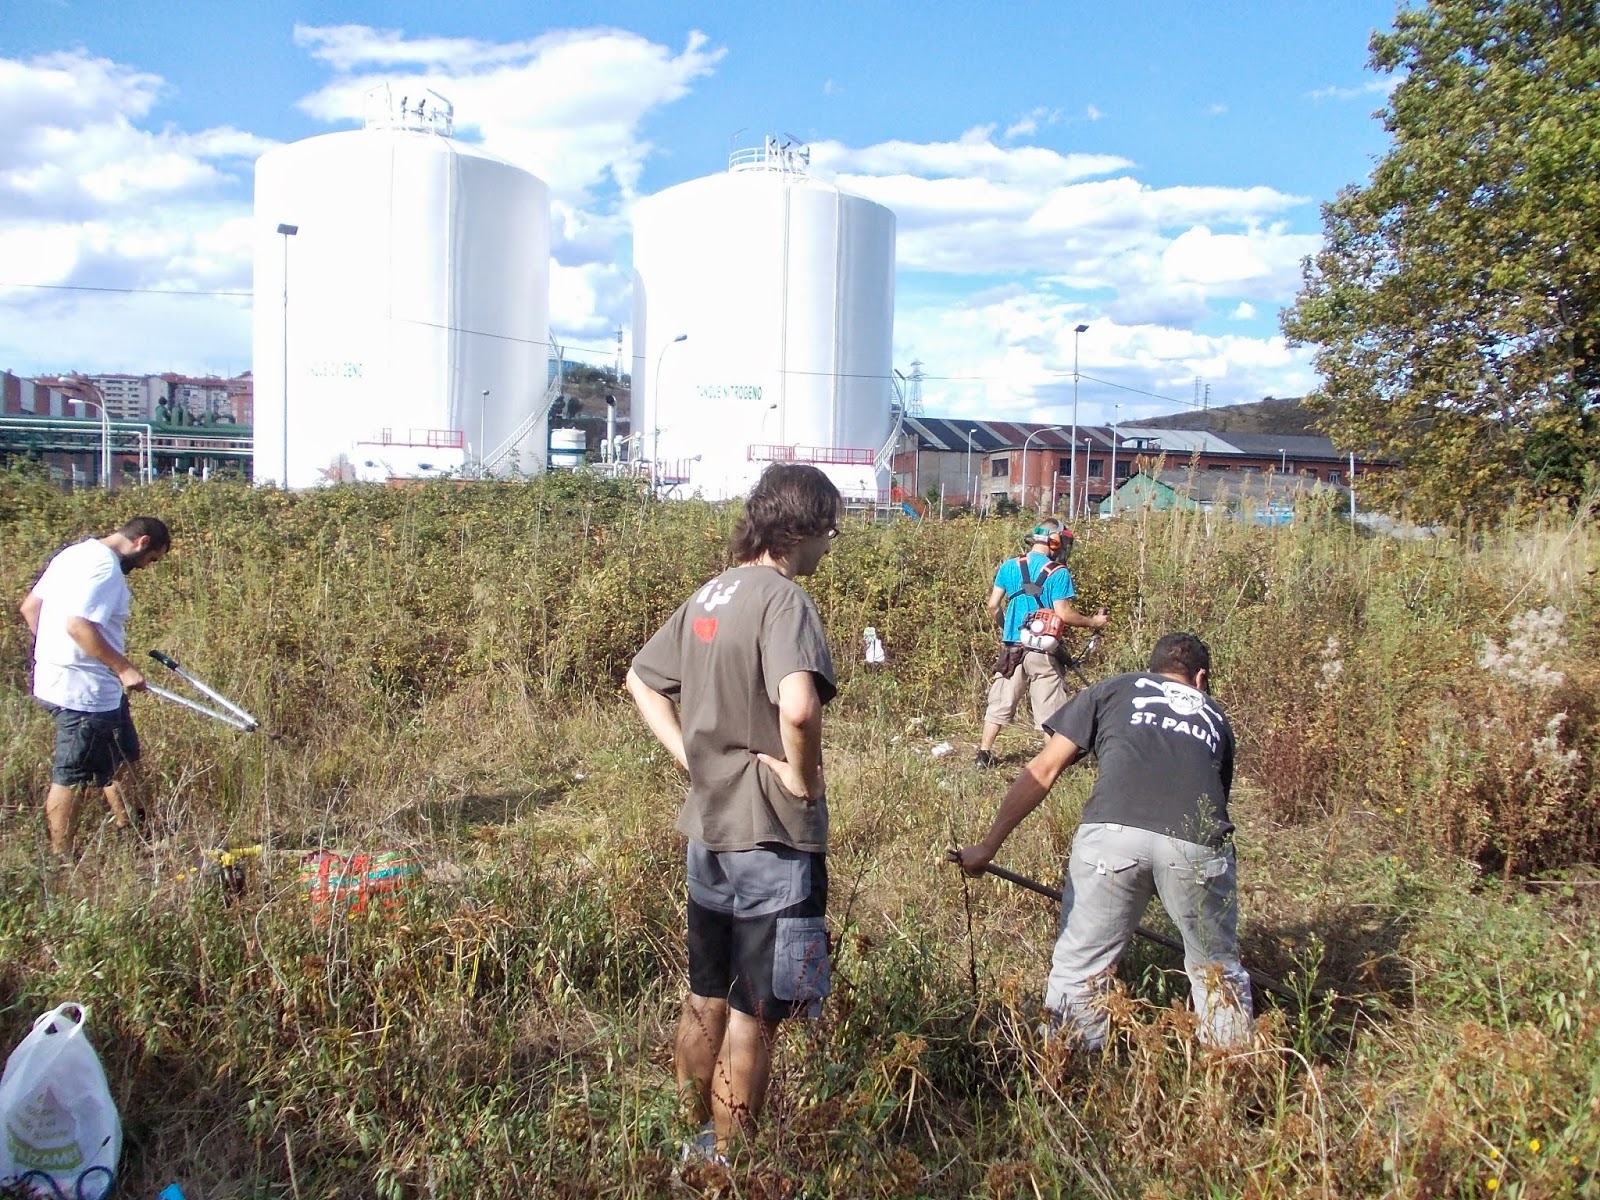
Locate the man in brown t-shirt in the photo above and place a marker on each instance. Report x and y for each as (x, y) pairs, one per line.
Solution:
(733, 686)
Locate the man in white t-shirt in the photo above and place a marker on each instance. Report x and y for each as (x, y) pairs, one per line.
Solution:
(78, 612)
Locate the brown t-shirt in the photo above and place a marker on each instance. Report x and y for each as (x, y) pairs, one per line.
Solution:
(722, 656)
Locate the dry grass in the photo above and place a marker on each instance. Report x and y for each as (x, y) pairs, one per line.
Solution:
(443, 669)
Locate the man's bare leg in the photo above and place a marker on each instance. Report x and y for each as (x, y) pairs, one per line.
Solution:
(991, 733)
(743, 1069)
(125, 798)
(61, 816)
(700, 1033)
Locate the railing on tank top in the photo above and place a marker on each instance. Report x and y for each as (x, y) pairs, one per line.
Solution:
(445, 439)
(850, 456)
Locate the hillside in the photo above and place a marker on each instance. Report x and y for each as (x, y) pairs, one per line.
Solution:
(1270, 415)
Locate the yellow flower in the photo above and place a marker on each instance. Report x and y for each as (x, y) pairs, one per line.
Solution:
(1493, 1153)
(1492, 1184)
(1533, 1144)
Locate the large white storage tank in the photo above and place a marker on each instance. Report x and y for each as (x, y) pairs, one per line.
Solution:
(409, 304)
(763, 326)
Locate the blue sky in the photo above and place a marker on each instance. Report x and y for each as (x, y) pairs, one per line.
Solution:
(1153, 170)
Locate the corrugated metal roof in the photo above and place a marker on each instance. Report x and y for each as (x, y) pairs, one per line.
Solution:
(1180, 441)
(1296, 445)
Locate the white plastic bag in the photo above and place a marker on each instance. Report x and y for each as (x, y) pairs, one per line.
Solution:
(62, 1133)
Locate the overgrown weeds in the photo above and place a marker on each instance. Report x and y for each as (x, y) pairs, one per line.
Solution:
(442, 665)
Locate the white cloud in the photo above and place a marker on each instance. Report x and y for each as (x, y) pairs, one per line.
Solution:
(1031, 122)
(974, 154)
(1216, 109)
(972, 207)
(566, 106)
(1008, 354)
(1244, 312)
(94, 193)
(1091, 113)
(70, 147)
(1372, 87)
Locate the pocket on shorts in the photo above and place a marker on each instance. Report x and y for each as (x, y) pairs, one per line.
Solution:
(1090, 849)
(1210, 869)
(801, 971)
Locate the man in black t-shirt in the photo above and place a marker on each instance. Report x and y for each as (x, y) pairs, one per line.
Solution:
(1156, 824)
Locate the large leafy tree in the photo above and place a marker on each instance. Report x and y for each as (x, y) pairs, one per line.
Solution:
(1455, 304)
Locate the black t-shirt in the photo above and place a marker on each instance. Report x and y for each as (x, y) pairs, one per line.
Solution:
(1165, 753)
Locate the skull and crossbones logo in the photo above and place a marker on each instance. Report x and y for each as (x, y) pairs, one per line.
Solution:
(1183, 700)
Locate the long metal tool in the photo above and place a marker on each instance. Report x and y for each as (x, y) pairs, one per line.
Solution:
(1266, 982)
(235, 716)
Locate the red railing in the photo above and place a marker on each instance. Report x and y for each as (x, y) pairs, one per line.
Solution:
(852, 456)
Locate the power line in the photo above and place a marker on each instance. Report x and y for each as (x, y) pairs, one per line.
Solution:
(599, 350)
(121, 291)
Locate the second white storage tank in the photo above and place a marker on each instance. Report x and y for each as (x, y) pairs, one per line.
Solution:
(763, 326)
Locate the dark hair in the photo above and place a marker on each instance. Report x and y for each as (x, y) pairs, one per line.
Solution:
(153, 528)
(1180, 654)
(789, 503)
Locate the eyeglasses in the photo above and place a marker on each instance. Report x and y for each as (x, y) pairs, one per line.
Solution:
(833, 532)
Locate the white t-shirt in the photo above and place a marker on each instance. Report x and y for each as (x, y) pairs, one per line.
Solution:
(84, 580)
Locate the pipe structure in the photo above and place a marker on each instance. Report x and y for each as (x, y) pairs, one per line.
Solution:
(1025, 441)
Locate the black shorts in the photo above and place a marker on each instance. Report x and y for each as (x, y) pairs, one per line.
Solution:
(756, 932)
(92, 746)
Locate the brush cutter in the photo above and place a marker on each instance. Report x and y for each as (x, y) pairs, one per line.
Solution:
(235, 716)
(1075, 664)
(1265, 982)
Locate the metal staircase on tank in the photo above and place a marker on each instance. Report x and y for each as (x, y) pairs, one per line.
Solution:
(886, 509)
(541, 409)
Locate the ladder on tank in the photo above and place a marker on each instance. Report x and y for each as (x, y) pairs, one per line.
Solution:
(884, 462)
(528, 424)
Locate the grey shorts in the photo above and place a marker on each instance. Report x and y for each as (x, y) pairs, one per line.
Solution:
(92, 746)
(757, 937)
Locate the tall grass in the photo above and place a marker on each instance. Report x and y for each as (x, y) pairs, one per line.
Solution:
(441, 667)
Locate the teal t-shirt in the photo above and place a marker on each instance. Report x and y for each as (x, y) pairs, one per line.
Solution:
(1058, 586)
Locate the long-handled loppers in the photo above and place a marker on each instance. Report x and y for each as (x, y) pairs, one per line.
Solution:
(235, 716)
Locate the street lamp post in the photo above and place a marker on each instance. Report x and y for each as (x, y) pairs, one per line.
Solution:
(1283, 461)
(1116, 417)
(287, 232)
(1072, 464)
(655, 405)
(970, 499)
(1025, 441)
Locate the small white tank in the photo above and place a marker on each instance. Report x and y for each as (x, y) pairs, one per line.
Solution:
(567, 449)
(413, 293)
(763, 326)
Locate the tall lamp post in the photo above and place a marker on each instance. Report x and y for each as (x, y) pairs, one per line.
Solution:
(1025, 441)
(287, 232)
(655, 405)
(970, 499)
(1072, 464)
(1283, 461)
(1116, 417)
